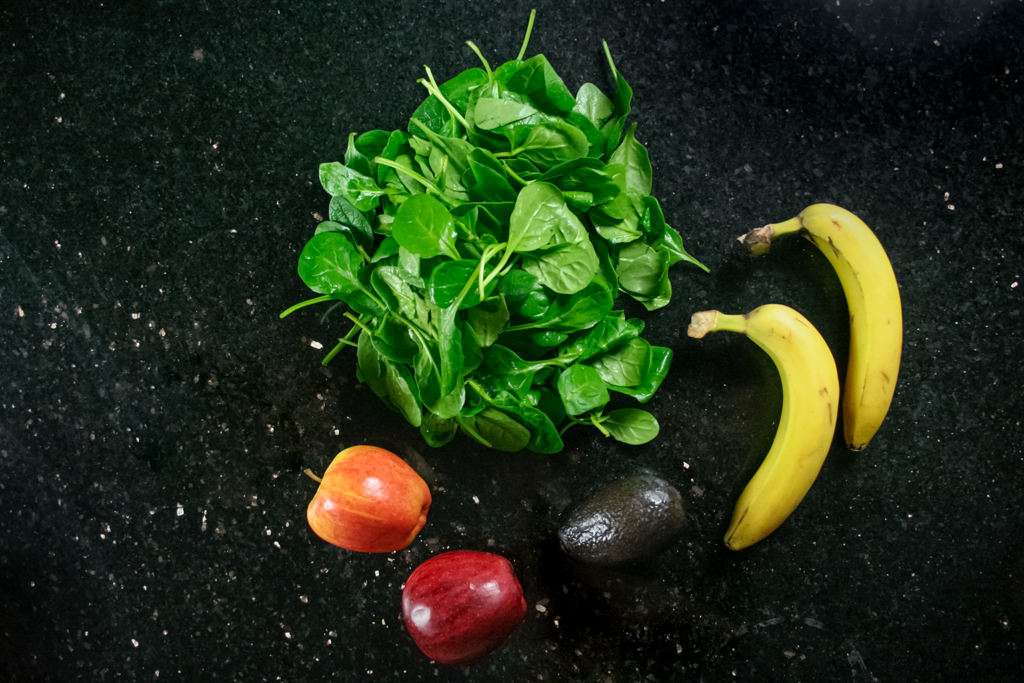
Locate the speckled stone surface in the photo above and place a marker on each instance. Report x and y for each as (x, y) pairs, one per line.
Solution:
(158, 169)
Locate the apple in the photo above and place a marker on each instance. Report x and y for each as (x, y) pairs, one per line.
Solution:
(369, 500)
(461, 605)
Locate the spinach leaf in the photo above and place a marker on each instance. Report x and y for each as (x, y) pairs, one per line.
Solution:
(488, 320)
(537, 79)
(551, 143)
(448, 280)
(625, 366)
(544, 436)
(540, 217)
(641, 270)
(661, 361)
(571, 312)
(425, 227)
(621, 104)
(341, 211)
(631, 425)
(593, 104)
(566, 268)
(371, 365)
(490, 113)
(581, 389)
(496, 430)
(355, 159)
(437, 431)
(329, 264)
(633, 157)
(401, 387)
(358, 189)
(394, 340)
(612, 331)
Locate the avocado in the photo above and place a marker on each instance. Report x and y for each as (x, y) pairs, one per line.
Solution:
(627, 520)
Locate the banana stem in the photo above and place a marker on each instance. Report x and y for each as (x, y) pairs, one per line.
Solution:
(704, 322)
(758, 240)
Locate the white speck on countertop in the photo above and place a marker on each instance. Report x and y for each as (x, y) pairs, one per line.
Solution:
(316, 345)
(181, 510)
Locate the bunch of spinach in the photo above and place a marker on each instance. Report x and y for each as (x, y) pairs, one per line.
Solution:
(480, 252)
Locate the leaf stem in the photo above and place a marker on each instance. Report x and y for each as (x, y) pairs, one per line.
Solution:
(434, 90)
(487, 66)
(358, 322)
(344, 341)
(415, 176)
(514, 175)
(472, 432)
(307, 302)
(596, 421)
(526, 39)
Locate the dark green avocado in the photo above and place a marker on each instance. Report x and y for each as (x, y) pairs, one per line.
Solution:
(626, 521)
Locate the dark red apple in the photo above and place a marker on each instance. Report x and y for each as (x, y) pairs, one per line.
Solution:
(369, 501)
(461, 605)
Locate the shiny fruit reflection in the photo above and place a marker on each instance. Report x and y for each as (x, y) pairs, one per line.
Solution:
(461, 605)
(369, 501)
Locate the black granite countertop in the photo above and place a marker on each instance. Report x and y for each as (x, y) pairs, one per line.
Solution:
(158, 178)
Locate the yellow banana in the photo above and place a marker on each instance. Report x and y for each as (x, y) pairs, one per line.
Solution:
(876, 316)
(810, 402)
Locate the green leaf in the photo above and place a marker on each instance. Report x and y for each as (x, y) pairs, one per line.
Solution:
(631, 425)
(621, 104)
(633, 157)
(593, 104)
(358, 189)
(371, 366)
(329, 264)
(552, 143)
(544, 436)
(490, 113)
(355, 159)
(626, 365)
(401, 388)
(437, 431)
(566, 268)
(641, 270)
(671, 244)
(341, 211)
(488, 320)
(537, 79)
(424, 226)
(581, 389)
(541, 217)
(571, 312)
(661, 361)
(496, 430)
(393, 340)
(449, 279)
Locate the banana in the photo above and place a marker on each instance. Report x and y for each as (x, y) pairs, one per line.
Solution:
(876, 316)
(810, 397)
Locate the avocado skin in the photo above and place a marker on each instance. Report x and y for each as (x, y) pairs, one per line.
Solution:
(626, 521)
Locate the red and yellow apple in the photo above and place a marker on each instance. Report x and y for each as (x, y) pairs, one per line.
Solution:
(370, 501)
(459, 606)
